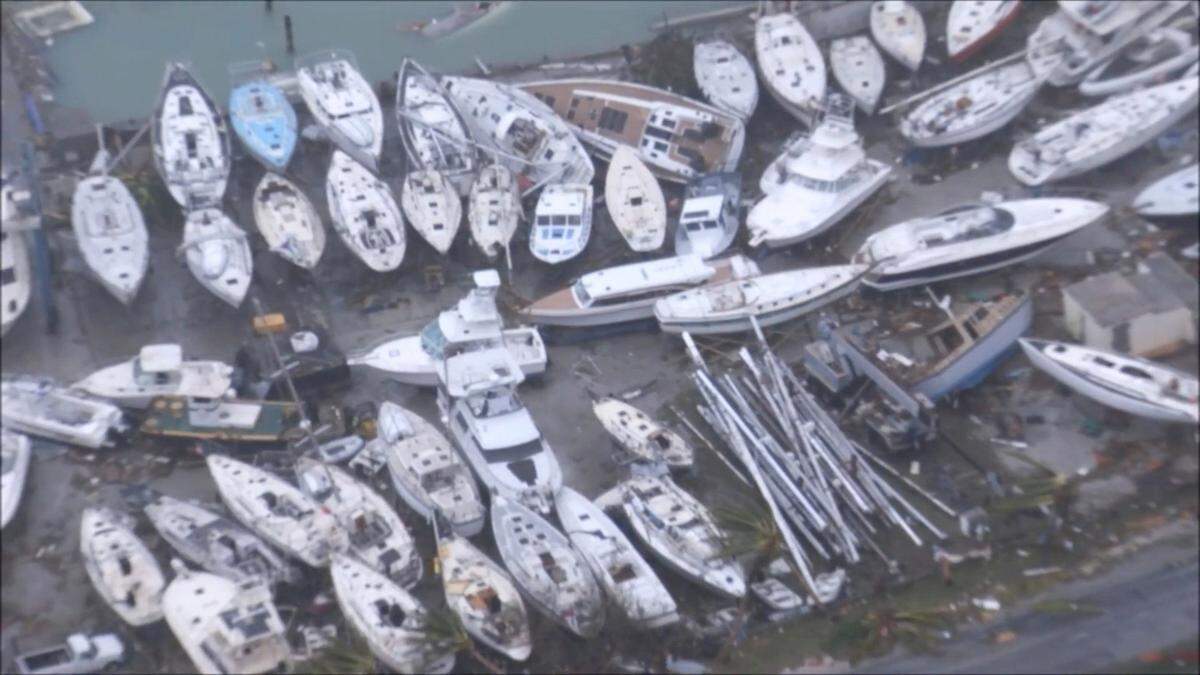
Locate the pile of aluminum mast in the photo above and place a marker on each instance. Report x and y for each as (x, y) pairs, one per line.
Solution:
(817, 482)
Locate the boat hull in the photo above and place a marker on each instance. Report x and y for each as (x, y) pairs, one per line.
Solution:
(960, 268)
(979, 361)
(741, 322)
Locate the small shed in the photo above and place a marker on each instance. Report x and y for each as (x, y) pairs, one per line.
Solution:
(1150, 312)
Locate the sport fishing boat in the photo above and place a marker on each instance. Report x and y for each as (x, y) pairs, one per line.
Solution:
(365, 214)
(39, 407)
(1136, 386)
(434, 132)
(343, 103)
(900, 31)
(678, 138)
(628, 292)
(218, 254)
(972, 109)
(635, 201)
(158, 370)
(791, 64)
(288, 221)
(262, 117)
(1102, 134)
(433, 207)
(858, 68)
(711, 213)
(110, 230)
(494, 209)
(532, 141)
(971, 239)
(818, 180)
(562, 222)
(191, 146)
(726, 77)
(972, 24)
(770, 299)
(120, 566)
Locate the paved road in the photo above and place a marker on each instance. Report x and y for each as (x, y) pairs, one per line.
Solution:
(1149, 601)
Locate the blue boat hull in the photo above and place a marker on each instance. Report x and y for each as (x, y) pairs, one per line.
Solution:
(265, 122)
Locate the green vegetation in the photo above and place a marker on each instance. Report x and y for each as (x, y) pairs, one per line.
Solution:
(666, 62)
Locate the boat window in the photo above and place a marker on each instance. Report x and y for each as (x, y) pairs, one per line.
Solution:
(543, 220)
(573, 220)
(689, 215)
(710, 225)
(1100, 360)
(559, 220)
(660, 146)
(581, 294)
(433, 341)
(614, 120)
(668, 123)
(658, 133)
(1136, 372)
(8, 275)
(514, 453)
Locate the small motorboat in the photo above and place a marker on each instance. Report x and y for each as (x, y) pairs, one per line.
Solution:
(900, 31)
(641, 436)
(120, 566)
(365, 214)
(711, 214)
(14, 469)
(39, 407)
(288, 221)
(726, 77)
(858, 68)
(158, 370)
(494, 209)
(562, 222)
(432, 207)
(635, 201)
(218, 254)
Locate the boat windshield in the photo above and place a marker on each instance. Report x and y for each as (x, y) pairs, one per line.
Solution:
(433, 341)
(492, 403)
(581, 294)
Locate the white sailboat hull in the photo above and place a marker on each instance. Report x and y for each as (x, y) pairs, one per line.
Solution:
(1175, 195)
(900, 31)
(288, 221)
(218, 254)
(858, 67)
(112, 235)
(14, 294)
(123, 571)
(409, 363)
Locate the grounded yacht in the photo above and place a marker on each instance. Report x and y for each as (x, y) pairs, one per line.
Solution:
(426, 471)
(635, 201)
(531, 140)
(858, 67)
(111, 232)
(971, 24)
(433, 207)
(158, 370)
(1102, 134)
(39, 407)
(218, 254)
(627, 578)
(791, 64)
(1136, 386)
(494, 209)
(216, 543)
(900, 31)
(973, 108)
(494, 431)
(628, 292)
(726, 77)
(16, 277)
(769, 299)
(678, 138)
(120, 566)
(641, 436)
(1173, 196)
(365, 214)
(288, 221)
(434, 132)
(191, 146)
(263, 118)
(971, 239)
(14, 468)
(225, 626)
(711, 213)
(554, 577)
(342, 102)
(817, 181)
(562, 222)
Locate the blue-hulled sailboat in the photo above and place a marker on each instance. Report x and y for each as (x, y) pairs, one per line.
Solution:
(264, 120)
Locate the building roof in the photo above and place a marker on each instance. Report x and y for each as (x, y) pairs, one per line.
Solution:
(1112, 299)
(1172, 275)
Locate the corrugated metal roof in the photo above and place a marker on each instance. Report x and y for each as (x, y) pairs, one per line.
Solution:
(1113, 298)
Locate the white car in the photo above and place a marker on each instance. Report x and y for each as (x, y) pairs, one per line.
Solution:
(80, 654)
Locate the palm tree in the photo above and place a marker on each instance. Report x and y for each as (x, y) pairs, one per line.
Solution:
(1054, 489)
(445, 631)
(879, 630)
(349, 655)
(750, 531)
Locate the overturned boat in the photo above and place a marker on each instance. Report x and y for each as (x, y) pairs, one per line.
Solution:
(426, 471)
(111, 233)
(971, 24)
(483, 597)
(791, 64)
(494, 209)
(225, 626)
(769, 299)
(858, 67)
(14, 468)
(433, 207)
(971, 239)
(365, 214)
(641, 436)
(635, 201)
(377, 535)
(711, 214)
(1175, 195)
(216, 543)
(818, 180)
(277, 511)
(626, 577)
(628, 292)
(681, 532)
(435, 134)
(726, 77)
(389, 619)
(533, 142)
(288, 221)
(120, 566)
(1136, 386)
(1102, 134)
(218, 254)
(562, 222)
(191, 146)
(553, 575)
(39, 407)
(229, 420)
(900, 31)
(263, 118)
(678, 138)
(342, 102)
(158, 370)
(972, 109)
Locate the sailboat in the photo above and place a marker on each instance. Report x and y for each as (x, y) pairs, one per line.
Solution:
(365, 214)
(900, 31)
(726, 77)
(218, 254)
(288, 221)
(791, 64)
(263, 119)
(433, 207)
(342, 102)
(494, 209)
(110, 230)
(635, 201)
(191, 145)
(858, 68)
(120, 566)
(434, 131)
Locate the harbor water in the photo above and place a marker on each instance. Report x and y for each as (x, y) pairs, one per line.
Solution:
(113, 68)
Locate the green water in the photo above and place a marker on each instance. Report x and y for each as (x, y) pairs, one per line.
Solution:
(113, 68)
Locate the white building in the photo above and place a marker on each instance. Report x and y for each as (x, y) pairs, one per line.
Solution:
(1147, 313)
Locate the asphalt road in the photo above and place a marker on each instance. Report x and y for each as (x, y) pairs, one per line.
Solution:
(1149, 601)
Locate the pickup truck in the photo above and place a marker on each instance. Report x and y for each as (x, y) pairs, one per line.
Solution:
(81, 654)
